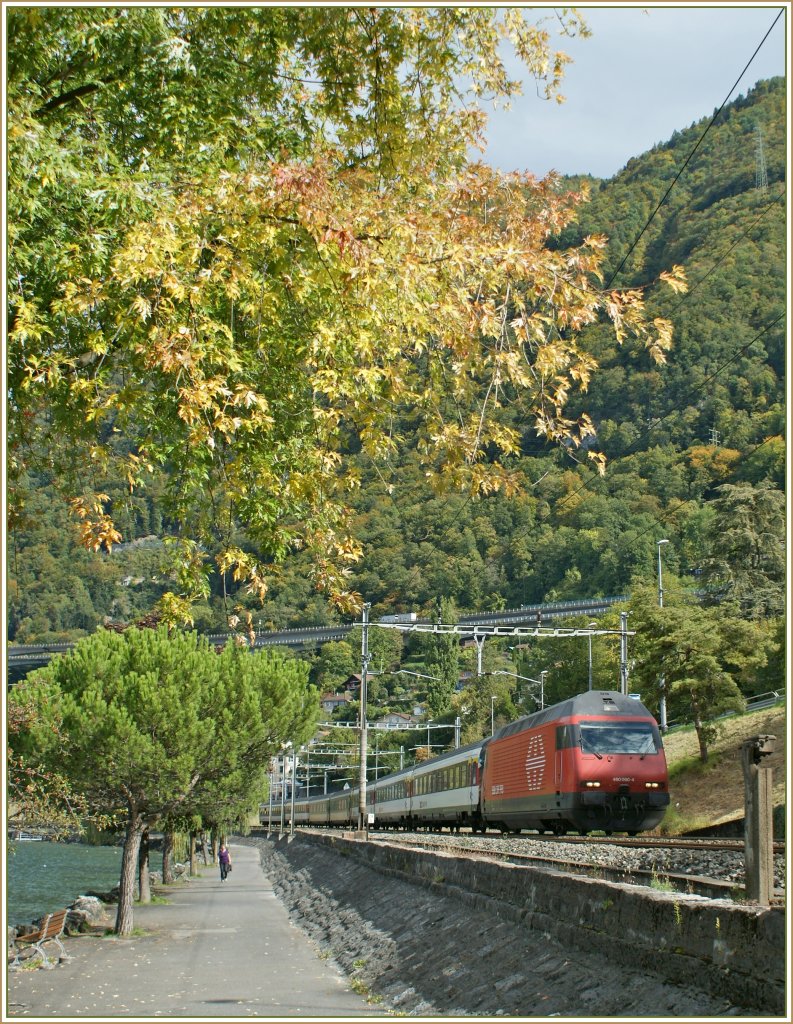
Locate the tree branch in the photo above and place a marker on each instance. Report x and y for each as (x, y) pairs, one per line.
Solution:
(72, 94)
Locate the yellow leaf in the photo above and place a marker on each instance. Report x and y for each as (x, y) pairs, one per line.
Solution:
(675, 278)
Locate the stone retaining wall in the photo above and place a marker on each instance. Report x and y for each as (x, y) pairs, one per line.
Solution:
(732, 949)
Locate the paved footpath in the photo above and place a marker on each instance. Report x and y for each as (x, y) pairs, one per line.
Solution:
(217, 949)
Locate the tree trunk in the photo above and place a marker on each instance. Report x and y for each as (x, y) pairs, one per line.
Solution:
(205, 847)
(136, 824)
(214, 847)
(193, 861)
(167, 857)
(144, 879)
(703, 742)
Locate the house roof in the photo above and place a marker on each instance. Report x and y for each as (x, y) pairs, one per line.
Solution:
(341, 698)
(407, 719)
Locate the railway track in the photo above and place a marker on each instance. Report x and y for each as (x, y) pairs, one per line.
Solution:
(630, 842)
(648, 861)
(653, 842)
(699, 885)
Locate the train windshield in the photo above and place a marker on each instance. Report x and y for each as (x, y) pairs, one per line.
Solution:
(625, 738)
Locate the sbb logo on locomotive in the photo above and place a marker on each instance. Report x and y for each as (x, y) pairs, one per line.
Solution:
(535, 762)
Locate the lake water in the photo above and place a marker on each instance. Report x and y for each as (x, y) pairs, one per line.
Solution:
(44, 876)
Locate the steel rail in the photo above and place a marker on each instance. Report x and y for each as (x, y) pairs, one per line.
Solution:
(708, 887)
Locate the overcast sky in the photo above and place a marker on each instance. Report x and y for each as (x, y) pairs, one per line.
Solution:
(643, 73)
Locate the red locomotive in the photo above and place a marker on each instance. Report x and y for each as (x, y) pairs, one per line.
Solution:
(594, 762)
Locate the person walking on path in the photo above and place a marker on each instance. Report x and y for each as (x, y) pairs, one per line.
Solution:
(224, 859)
(202, 954)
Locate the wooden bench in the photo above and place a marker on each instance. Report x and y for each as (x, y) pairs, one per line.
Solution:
(51, 928)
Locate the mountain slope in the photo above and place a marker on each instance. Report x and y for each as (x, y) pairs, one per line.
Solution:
(726, 370)
(712, 794)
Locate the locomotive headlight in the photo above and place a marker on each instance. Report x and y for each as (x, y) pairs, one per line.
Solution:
(592, 785)
(651, 785)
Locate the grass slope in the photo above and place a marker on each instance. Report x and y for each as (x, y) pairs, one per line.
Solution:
(711, 794)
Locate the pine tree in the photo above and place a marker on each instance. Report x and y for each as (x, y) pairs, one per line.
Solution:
(158, 724)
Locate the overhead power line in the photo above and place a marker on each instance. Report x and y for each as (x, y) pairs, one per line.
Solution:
(690, 156)
(727, 252)
(688, 159)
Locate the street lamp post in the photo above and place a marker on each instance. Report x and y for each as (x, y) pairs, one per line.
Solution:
(294, 785)
(283, 791)
(362, 816)
(492, 715)
(270, 805)
(662, 680)
(660, 573)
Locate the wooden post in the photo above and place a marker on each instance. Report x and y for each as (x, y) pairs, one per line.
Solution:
(759, 824)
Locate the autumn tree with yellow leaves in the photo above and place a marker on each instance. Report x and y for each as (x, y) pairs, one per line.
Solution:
(246, 241)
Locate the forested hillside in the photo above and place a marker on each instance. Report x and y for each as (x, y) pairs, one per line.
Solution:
(713, 416)
(694, 448)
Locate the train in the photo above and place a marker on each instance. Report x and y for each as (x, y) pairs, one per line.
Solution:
(592, 763)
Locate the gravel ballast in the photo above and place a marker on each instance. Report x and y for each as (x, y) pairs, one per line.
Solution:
(724, 865)
(428, 951)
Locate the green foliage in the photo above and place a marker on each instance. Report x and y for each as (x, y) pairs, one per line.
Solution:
(660, 883)
(60, 591)
(336, 662)
(442, 660)
(772, 676)
(160, 720)
(38, 792)
(692, 648)
(154, 725)
(730, 239)
(484, 700)
(747, 566)
(221, 272)
(556, 529)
